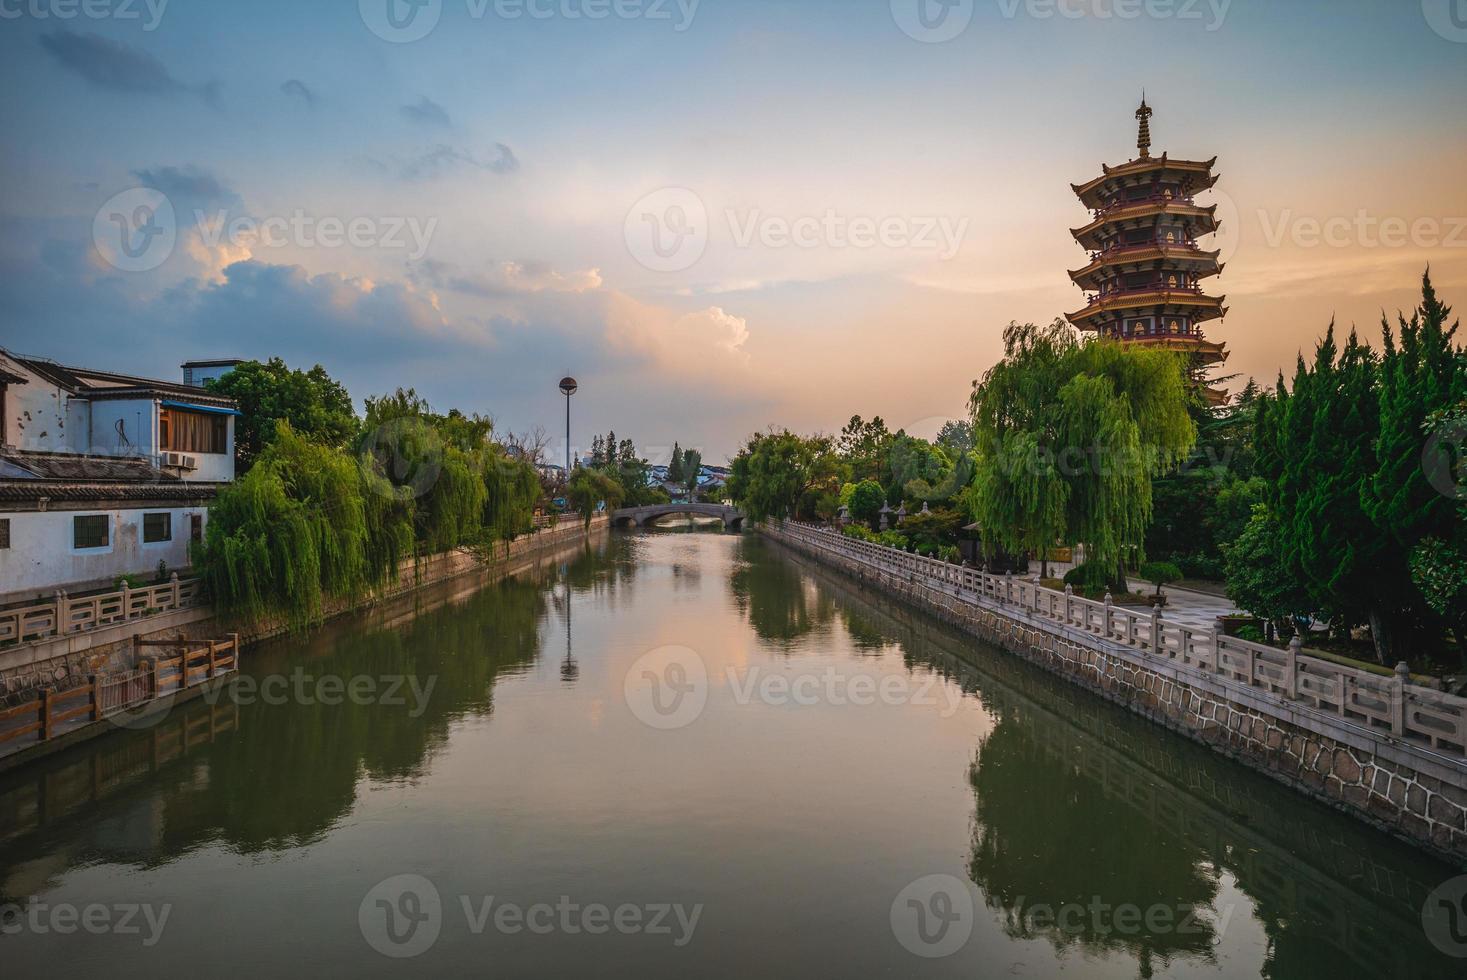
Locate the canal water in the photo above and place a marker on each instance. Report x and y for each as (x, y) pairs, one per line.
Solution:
(679, 754)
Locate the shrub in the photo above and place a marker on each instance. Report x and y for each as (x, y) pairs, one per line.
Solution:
(1089, 577)
(1160, 573)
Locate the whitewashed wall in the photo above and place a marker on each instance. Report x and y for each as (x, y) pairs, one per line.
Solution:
(41, 558)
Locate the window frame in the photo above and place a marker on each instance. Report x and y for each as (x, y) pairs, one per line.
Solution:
(167, 517)
(168, 432)
(76, 530)
(4, 534)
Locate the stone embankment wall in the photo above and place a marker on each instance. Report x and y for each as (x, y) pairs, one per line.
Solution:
(1415, 793)
(109, 649)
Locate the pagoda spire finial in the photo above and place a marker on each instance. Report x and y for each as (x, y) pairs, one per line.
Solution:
(1143, 138)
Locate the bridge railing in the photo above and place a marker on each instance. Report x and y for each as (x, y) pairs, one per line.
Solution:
(1393, 702)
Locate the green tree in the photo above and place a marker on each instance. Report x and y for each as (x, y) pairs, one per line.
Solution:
(866, 501)
(315, 405)
(675, 468)
(1085, 426)
(862, 446)
(588, 488)
(692, 463)
(1423, 373)
(779, 473)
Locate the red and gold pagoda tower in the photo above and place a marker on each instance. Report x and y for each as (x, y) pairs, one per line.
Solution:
(1144, 281)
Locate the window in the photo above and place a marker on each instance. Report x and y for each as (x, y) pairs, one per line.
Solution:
(90, 531)
(180, 431)
(4, 533)
(157, 527)
(196, 527)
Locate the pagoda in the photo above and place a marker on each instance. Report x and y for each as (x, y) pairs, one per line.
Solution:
(1144, 281)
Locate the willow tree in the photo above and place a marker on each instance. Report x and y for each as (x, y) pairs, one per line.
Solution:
(1069, 435)
(290, 533)
(511, 489)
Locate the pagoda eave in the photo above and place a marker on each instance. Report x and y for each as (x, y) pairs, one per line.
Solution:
(1149, 209)
(1198, 306)
(1163, 163)
(1133, 259)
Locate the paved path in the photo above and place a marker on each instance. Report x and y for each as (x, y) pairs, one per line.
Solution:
(1195, 609)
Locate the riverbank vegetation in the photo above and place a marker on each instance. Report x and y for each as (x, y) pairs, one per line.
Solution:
(334, 512)
(1335, 502)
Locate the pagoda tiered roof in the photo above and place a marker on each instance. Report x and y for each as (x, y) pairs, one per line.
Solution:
(1198, 219)
(1105, 265)
(1110, 306)
(1196, 175)
(1144, 278)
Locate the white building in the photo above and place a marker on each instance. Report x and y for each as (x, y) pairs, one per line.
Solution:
(103, 474)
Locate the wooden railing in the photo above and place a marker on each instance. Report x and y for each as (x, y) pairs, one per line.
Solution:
(64, 615)
(54, 713)
(1393, 704)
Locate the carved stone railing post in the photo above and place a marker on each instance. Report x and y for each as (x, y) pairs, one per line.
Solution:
(1069, 598)
(126, 601)
(1291, 673)
(63, 613)
(1105, 622)
(1156, 628)
(173, 581)
(1398, 699)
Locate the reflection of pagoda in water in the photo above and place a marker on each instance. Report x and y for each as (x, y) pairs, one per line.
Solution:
(1144, 280)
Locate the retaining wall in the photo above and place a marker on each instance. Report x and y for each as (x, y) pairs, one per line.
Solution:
(1414, 792)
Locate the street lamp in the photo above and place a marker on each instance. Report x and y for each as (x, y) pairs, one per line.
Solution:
(568, 387)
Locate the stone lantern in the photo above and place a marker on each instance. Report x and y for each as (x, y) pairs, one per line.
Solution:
(886, 513)
(925, 510)
(844, 517)
(901, 514)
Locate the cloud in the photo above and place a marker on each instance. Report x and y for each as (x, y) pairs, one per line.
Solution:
(706, 343)
(189, 184)
(119, 67)
(296, 88)
(508, 279)
(444, 159)
(427, 113)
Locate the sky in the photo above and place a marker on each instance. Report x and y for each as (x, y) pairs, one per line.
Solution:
(718, 215)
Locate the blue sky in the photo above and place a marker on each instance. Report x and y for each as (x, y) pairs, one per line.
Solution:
(518, 148)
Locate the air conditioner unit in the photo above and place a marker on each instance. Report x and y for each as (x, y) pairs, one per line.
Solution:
(172, 459)
(180, 461)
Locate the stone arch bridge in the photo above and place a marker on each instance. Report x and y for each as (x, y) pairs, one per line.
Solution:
(732, 517)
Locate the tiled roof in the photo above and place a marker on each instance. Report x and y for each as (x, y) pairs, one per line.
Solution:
(104, 384)
(20, 465)
(29, 490)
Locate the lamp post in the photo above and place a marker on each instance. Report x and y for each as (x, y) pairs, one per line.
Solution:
(568, 387)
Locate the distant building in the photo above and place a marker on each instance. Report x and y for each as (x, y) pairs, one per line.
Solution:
(197, 373)
(103, 474)
(1144, 284)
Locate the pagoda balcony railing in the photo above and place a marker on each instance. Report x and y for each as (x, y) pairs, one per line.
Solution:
(1156, 287)
(1142, 201)
(1155, 243)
